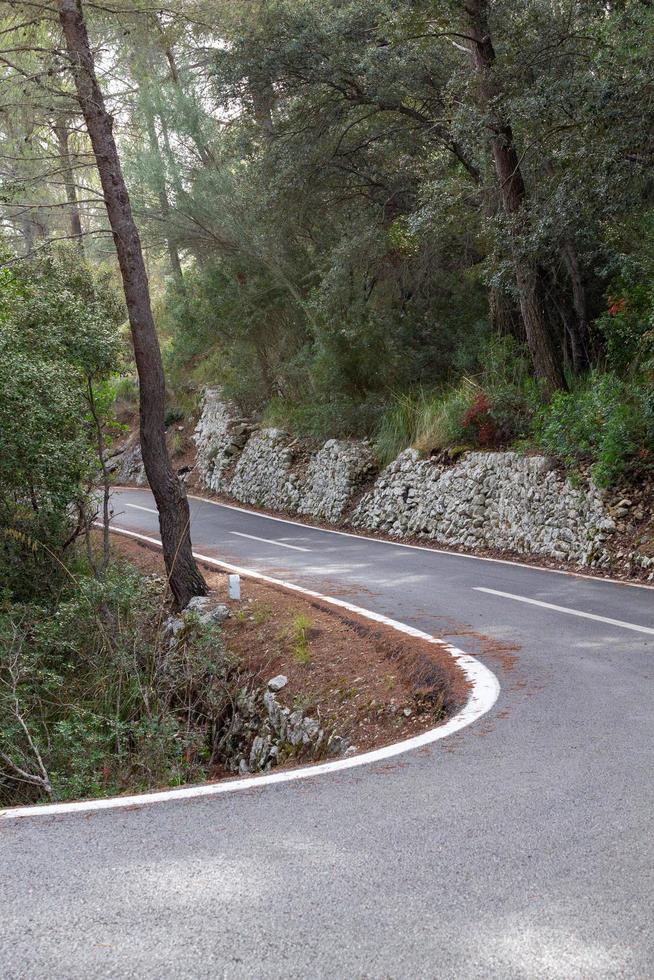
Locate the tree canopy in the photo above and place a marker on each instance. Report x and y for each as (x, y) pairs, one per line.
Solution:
(346, 202)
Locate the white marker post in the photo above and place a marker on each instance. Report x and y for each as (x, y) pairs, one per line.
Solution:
(234, 586)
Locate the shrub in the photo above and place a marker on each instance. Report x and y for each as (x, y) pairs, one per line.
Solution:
(441, 419)
(604, 420)
(320, 419)
(58, 343)
(627, 325)
(93, 694)
(172, 416)
(398, 426)
(478, 418)
(493, 408)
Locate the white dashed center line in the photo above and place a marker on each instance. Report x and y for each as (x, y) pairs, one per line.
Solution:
(569, 612)
(138, 507)
(280, 544)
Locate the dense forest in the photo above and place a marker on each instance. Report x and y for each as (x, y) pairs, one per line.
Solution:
(427, 223)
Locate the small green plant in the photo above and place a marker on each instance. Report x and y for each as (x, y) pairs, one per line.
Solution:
(172, 416)
(176, 442)
(257, 613)
(260, 613)
(299, 638)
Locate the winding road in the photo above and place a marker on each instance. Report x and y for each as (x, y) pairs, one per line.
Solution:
(521, 846)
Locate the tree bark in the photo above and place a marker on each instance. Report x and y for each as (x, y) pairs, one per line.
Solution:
(545, 356)
(580, 332)
(263, 101)
(61, 132)
(174, 518)
(162, 194)
(504, 315)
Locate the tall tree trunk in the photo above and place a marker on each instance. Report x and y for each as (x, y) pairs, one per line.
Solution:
(27, 232)
(545, 355)
(172, 504)
(61, 132)
(205, 153)
(504, 315)
(580, 331)
(263, 101)
(162, 194)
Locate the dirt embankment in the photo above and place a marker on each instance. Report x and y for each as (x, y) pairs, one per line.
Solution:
(367, 682)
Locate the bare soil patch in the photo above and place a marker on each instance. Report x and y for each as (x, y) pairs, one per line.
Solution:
(364, 681)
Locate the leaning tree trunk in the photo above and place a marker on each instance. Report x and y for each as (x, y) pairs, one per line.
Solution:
(172, 504)
(545, 356)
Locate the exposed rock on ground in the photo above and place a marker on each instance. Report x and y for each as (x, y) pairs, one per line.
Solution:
(127, 466)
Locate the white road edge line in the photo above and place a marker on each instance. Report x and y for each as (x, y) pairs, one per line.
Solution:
(566, 609)
(280, 544)
(150, 510)
(484, 694)
(400, 544)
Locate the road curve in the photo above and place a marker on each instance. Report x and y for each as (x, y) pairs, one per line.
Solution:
(519, 847)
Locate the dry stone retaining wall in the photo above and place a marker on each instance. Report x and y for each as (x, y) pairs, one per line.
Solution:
(495, 500)
(220, 436)
(489, 500)
(264, 474)
(333, 476)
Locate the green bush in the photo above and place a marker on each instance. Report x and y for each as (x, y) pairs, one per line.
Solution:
(627, 326)
(604, 420)
(93, 694)
(440, 421)
(58, 342)
(493, 408)
(320, 419)
(513, 395)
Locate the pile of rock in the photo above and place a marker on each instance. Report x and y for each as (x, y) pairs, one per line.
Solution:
(261, 733)
(285, 734)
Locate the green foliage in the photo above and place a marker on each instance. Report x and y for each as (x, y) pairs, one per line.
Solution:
(58, 341)
(604, 420)
(93, 685)
(323, 419)
(298, 635)
(441, 421)
(627, 325)
(493, 408)
(398, 425)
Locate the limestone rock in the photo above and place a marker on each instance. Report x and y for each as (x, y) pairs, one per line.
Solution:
(495, 500)
(219, 435)
(333, 476)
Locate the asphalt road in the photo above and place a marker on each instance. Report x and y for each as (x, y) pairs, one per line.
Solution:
(519, 847)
